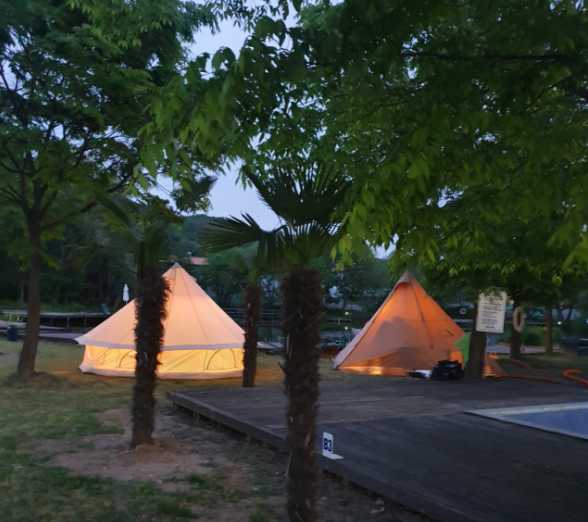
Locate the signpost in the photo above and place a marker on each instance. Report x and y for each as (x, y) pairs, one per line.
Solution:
(491, 311)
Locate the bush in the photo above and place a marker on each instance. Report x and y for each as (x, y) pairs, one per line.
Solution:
(532, 335)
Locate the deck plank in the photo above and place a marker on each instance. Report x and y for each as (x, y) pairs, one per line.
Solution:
(411, 441)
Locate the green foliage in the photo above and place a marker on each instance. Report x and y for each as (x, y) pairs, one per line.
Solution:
(75, 78)
(532, 335)
(365, 282)
(226, 275)
(91, 259)
(440, 103)
(423, 104)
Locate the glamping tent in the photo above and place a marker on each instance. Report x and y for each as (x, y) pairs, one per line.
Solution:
(409, 331)
(200, 340)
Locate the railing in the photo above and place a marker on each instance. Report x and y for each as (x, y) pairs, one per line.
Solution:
(66, 319)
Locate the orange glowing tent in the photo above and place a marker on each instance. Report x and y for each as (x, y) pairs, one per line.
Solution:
(200, 340)
(409, 331)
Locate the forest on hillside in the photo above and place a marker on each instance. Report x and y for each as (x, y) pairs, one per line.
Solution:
(87, 263)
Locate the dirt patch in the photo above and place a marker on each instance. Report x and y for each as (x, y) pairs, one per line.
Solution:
(234, 479)
(109, 456)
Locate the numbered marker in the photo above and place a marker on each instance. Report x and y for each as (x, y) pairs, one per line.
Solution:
(328, 446)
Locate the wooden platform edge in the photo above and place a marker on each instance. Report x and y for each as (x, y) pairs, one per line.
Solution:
(226, 419)
(417, 503)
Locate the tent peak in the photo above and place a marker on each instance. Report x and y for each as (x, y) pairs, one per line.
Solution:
(407, 277)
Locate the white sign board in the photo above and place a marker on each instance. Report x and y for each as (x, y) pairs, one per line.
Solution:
(328, 446)
(491, 310)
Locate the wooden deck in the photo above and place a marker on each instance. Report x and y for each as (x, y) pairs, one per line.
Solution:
(412, 442)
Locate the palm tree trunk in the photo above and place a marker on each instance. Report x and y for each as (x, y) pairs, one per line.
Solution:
(252, 313)
(28, 353)
(516, 338)
(549, 329)
(151, 296)
(302, 309)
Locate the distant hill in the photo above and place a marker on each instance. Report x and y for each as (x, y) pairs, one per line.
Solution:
(185, 239)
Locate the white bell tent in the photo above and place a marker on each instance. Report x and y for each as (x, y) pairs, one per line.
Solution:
(200, 340)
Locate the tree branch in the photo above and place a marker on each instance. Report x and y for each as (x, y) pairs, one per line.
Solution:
(554, 57)
(13, 196)
(88, 206)
(66, 217)
(47, 205)
(9, 169)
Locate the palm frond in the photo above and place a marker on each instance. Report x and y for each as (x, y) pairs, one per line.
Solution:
(301, 191)
(231, 232)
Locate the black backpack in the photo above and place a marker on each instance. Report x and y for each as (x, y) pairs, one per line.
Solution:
(447, 371)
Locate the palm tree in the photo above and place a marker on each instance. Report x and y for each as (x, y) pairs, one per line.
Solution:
(146, 223)
(252, 314)
(150, 299)
(305, 194)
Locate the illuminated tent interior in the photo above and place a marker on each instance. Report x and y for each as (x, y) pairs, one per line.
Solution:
(200, 340)
(410, 331)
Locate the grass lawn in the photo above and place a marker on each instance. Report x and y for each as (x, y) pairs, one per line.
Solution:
(65, 405)
(56, 432)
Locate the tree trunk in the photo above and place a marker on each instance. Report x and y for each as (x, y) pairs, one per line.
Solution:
(28, 354)
(516, 338)
(549, 329)
(252, 313)
(21, 290)
(302, 309)
(477, 355)
(151, 296)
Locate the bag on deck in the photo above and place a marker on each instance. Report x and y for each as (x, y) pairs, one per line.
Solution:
(447, 371)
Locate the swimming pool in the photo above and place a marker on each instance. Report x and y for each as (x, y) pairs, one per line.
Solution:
(568, 419)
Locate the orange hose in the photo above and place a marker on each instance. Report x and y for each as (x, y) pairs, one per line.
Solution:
(523, 364)
(572, 375)
(525, 378)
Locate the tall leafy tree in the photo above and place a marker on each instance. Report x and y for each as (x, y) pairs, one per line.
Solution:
(423, 99)
(495, 249)
(75, 78)
(305, 194)
(436, 97)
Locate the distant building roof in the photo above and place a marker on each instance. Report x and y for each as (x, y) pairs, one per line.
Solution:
(198, 260)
